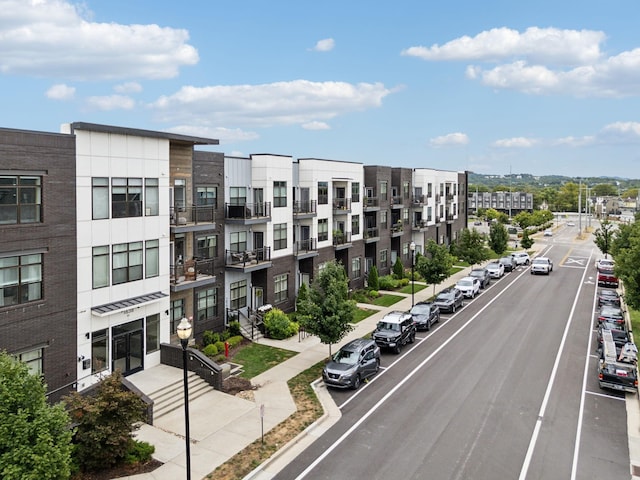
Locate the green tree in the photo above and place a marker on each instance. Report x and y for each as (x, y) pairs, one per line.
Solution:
(105, 423)
(329, 310)
(498, 238)
(471, 247)
(434, 266)
(398, 269)
(523, 220)
(373, 280)
(626, 253)
(604, 190)
(35, 437)
(604, 237)
(541, 217)
(567, 197)
(526, 241)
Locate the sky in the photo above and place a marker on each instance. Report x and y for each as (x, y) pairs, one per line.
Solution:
(492, 87)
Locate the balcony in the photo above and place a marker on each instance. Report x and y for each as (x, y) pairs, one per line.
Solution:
(397, 229)
(371, 235)
(248, 214)
(248, 260)
(397, 201)
(449, 197)
(341, 239)
(371, 204)
(193, 273)
(420, 225)
(450, 218)
(305, 248)
(192, 218)
(418, 200)
(307, 209)
(341, 206)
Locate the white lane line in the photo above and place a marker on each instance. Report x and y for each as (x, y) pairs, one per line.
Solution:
(543, 407)
(388, 395)
(598, 394)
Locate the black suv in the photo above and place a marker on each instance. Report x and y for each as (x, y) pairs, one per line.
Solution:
(449, 299)
(354, 362)
(508, 263)
(481, 274)
(424, 315)
(394, 331)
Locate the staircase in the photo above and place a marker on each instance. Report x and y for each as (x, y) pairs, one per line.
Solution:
(171, 397)
(249, 332)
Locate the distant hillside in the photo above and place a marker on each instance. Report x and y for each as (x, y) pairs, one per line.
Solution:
(516, 180)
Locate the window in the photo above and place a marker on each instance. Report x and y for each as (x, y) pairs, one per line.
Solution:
(279, 194)
(179, 194)
(33, 359)
(238, 241)
(323, 229)
(355, 268)
(355, 224)
(384, 258)
(20, 199)
(151, 199)
(207, 246)
(176, 314)
(429, 190)
(281, 288)
(126, 197)
(238, 196)
(405, 215)
(383, 190)
(429, 215)
(279, 236)
(100, 259)
(355, 192)
(405, 189)
(99, 351)
(153, 333)
(207, 304)
(20, 279)
(207, 196)
(127, 262)
(100, 197)
(152, 258)
(383, 218)
(323, 193)
(238, 293)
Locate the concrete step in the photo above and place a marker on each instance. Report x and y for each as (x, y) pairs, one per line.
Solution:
(171, 397)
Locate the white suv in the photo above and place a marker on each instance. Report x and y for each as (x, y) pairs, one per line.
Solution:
(541, 265)
(521, 258)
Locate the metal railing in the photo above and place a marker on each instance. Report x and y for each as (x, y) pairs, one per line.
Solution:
(305, 246)
(192, 214)
(248, 257)
(248, 210)
(341, 238)
(308, 206)
(191, 269)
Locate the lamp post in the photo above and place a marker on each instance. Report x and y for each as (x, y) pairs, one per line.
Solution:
(184, 332)
(412, 247)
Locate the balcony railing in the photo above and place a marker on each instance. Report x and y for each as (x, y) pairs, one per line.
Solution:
(247, 257)
(396, 200)
(371, 202)
(418, 199)
(192, 214)
(341, 238)
(371, 232)
(396, 227)
(191, 270)
(248, 211)
(342, 204)
(305, 207)
(309, 245)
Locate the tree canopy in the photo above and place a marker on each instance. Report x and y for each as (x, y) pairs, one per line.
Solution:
(604, 237)
(434, 265)
(471, 247)
(626, 253)
(498, 238)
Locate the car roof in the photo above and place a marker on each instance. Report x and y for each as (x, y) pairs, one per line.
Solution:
(544, 259)
(357, 344)
(395, 316)
(478, 270)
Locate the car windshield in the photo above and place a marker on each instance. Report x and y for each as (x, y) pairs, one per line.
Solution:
(464, 283)
(540, 260)
(346, 357)
(445, 296)
(421, 309)
(394, 327)
(492, 266)
(477, 273)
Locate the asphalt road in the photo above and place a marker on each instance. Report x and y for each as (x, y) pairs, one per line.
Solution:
(506, 388)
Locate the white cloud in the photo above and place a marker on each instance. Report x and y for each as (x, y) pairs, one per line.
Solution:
(282, 103)
(111, 102)
(56, 38)
(574, 141)
(61, 92)
(129, 87)
(517, 142)
(621, 132)
(324, 45)
(449, 140)
(225, 135)
(316, 126)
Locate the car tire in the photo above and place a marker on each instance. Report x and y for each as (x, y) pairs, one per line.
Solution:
(428, 324)
(377, 365)
(398, 349)
(412, 337)
(453, 308)
(356, 382)
(438, 318)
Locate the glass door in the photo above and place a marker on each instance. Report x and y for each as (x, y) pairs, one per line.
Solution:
(128, 347)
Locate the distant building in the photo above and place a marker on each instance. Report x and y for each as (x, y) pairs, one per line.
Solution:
(510, 203)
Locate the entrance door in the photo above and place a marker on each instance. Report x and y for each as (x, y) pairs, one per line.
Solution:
(127, 347)
(258, 297)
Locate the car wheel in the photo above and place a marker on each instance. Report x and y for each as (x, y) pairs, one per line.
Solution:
(473, 294)
(356, 382)
(453, 308)
(398, 349)
(428, 324)
(412, 337)
(438, 318)
(377, 365)
(527, 262)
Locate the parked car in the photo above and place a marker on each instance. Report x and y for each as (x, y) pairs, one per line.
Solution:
(548, 233)
(611, 314)
(521, 258)
(617, 365)
(495, 269)
(619, 334)
(449, 299)
(357, 360)
(509, 263)
(481, 274)
(395, 330)
(469, 286)
(424, 315)
(605, 265)
(608, 296)
(606, 278)
(542, 265)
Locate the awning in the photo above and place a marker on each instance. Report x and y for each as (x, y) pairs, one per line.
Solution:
(119, 306)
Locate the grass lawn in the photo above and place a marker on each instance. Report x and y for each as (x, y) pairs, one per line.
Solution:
(256, 358)
(386, 300)
(635, 325)
(417, 288)
(362, 313)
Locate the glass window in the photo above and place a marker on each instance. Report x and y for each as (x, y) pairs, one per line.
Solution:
(384, 259)
(323, 229)
(151, 198)
(279, 194)
(20, 279)
(238, 292)
(238, 241)
(355, 225)
(207, 304)
(176, 314)
(279, 236)
(100, 197)
(100, 266)
(281, 287)
(207, 196)
(405, 189)
(405, 215)
(126, 197)
(383, 190)
(99, 351)
(126, 262)
(33, 359)
(383, 218)
(207, 246)
(323, 193)
(179, 194)
(355, 192)
(152, 258)
(153, 333)
(238, 195)
(20, 199)
(355, 268)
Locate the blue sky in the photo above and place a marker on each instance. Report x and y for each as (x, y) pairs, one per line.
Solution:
(548, 88)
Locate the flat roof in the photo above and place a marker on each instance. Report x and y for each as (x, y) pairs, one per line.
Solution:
(95, 127)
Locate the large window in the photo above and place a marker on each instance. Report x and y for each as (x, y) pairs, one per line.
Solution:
(127, 262)
(126, 197)
(384, 258)
(383, 218)
(281, 287)
(180, 194)
(238, 195)
(383, 190)
(207, 196)
(20, 279)
(151, 197)
(33, 359)
(176, 314)
(279, 194)
(207, 304)
(355, 192)
(20, 199)
(101, 266)
(99, 351)
(153, 333)
(356, 268)
(207, 246)
(238, 293)
(323, 193)
(100, 197)
(355, 225)
(323, 229)
(152, 258)
(279, 236)
(238, 241)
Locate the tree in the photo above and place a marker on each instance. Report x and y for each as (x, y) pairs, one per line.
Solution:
(626, 253)
(435, 264)
(526, 241)
(604, 237)
(373, 280)
(328, 309)
(567, 197)
(105, 423)
(35, 437)
(523, 220)
(498, 238)
(398, 269)
(471, 247)
(604, 190)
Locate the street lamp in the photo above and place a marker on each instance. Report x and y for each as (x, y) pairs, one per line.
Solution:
(184, 332)
(412, 247)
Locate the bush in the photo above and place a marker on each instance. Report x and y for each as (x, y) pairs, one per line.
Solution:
(398, 269)
(388, 283)
(235, 340)
(374, 293)
(373, 280)
(210, 350)
(234, 328)
(359, 296)
(403, 282)
(209, 337)
(220, 346)
(278, 325)
(139, 452)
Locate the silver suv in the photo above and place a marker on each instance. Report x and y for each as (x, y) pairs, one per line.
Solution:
(521, 258)
(542, 265)
(356, 361)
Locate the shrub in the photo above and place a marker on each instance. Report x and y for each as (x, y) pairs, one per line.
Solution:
(209, 337)
(235, 340)
(139, 452)
(210, 350)
(403, 282)
(374, 293)
(234, 328)
(220, 346)
(398, 269)
(359, 296)
(388, 283)
(278, 326)
(373, 279)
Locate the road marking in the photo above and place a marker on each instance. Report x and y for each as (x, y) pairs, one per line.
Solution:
(597, 394)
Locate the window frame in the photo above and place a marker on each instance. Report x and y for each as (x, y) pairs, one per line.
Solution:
(133, 271)
(238, 295)
(126, 197)
(281, 288)
(279, 236)
(17, 276)
(19, 188)
(279, 193)
(210, 298)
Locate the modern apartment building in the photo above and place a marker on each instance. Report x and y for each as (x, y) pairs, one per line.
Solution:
(510, 203)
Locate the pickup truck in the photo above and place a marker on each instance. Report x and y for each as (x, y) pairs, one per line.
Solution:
(617, 367)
